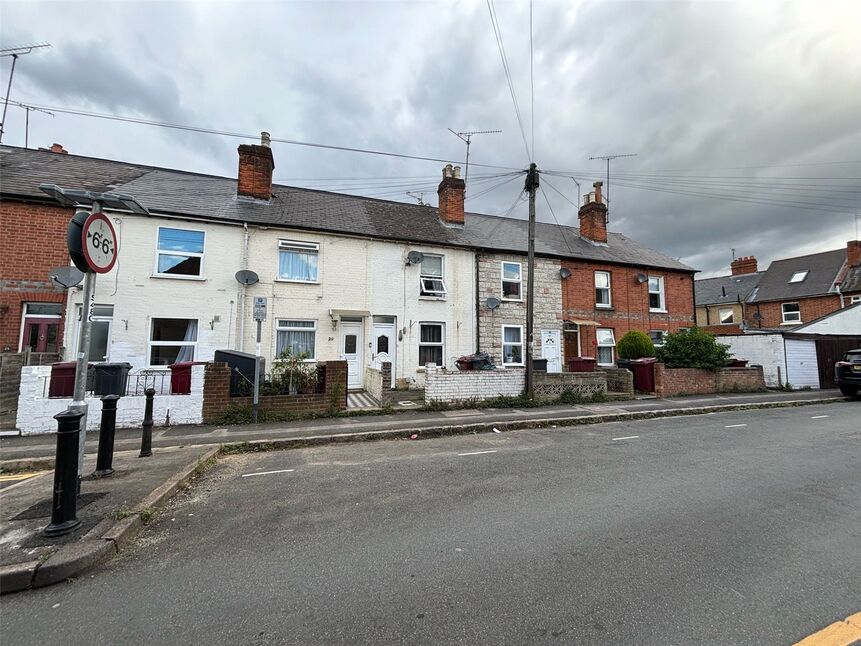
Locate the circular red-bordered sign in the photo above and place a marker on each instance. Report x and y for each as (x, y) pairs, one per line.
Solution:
(99, 242)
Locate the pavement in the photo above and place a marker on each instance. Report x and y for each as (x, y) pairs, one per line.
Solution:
(734, 528)
(111, 510)
(423, 423)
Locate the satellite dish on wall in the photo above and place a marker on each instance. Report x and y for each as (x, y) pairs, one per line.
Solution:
(66, 276)
(492, 303)
(642, 278)
(565, 272)
(246, 277)
(415, 257)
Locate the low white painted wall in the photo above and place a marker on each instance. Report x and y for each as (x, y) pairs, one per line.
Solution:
(765, 350)
(36, 411)
(454, 385)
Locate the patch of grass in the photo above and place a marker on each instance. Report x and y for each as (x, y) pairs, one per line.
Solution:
(124, 512)
(147, 514)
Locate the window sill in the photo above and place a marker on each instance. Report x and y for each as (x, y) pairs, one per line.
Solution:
(660, 311)
(791, 323)
(297, 282)
(609, 308)
(178, 277)
(432, 298)
(511, 300)
(513, 365)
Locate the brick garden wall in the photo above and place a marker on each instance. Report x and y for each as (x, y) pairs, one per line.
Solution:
(378, 383)
(33, 241)
(695, 381)
(454, 385)
(10, 383)
(217, 399)
(619, 380)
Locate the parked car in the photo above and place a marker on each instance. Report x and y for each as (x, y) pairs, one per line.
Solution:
(847, 373)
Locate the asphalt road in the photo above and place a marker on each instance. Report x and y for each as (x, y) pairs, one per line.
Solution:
(733, 528)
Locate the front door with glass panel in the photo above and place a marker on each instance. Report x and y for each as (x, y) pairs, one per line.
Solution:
(351, 352)
(40, 334)
(383, 349)
(550, 350)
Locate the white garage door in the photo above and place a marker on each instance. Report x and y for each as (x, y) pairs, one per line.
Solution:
(801, 367)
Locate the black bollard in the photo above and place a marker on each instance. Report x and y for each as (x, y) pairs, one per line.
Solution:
(146, 438)
(107, 429)
(64, 510)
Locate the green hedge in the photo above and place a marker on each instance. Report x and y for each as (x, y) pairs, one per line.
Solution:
(693, 349)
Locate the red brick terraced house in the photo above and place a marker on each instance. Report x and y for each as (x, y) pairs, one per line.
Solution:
(794, 291)
(604, 299)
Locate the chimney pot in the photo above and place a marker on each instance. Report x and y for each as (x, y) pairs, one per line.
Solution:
(265, 139)
(743, 265)
(597, 186)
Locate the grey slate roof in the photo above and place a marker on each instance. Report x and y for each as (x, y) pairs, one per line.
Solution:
(852, 281)
(205, 196)
(823, 267)
(725, 289)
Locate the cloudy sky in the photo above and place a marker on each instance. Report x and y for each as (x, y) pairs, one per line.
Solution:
(745, 117)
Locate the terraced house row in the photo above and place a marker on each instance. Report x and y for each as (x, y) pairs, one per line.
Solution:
(353, 278)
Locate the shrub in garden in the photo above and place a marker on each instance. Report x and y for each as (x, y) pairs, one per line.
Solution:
(635, 345)
(693, 349)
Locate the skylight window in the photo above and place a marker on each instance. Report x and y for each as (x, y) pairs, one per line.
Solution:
(798, 276)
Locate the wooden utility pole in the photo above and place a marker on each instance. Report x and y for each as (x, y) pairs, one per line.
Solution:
(531, 188)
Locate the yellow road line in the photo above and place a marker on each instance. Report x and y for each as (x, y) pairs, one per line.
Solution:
(20, 476)
(840, 633)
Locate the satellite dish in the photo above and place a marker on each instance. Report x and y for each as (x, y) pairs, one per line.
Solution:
(415, 257)
(642, 278)
(757, 316)
(66, 276)
(246, 277)
(565, 272)
(492, 303)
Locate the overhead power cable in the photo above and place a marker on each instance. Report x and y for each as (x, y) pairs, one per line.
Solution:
(631, 175)
(497, 32)
(553, 213)
(492, 188)
(241, 135)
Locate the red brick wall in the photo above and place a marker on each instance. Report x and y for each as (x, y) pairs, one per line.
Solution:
(32, 242)
(216, 394)
(695, 381)
(630, 301)
(255, 171)
(811, 308)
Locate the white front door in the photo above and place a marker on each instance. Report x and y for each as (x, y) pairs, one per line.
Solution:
(384, 346)
(352, 353)
(550, 350)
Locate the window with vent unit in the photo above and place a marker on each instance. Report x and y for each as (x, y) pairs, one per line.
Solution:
(297, 261)
(432, 278)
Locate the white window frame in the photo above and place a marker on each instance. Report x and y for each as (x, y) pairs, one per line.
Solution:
(187, 254)
(786, 321)
(731, 313)
(281, 326)
(427, 289)
(608, 289)
(612, 346)
(661, 292)
(663, 334)
(79, 312)
(799, 276)
(855, 299)
(502, 280)
(301, 246)
(433, 344)
(150, 342)
(522, 345)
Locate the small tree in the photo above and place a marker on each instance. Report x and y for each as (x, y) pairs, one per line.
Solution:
(291, 372)
(693, 349)
(635, 345)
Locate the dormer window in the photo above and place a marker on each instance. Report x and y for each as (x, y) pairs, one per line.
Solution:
(799, 276)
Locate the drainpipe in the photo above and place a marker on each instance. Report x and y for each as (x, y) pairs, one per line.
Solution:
(242, 291)
(840, 294)
(477, 309)
(694, 301)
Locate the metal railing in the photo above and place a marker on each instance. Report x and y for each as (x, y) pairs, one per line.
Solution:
(136, 384)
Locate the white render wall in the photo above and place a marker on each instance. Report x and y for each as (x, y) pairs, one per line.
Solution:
(354, 274)
(138, 296)
(765, 350)
(365, 275)
(455, 386)
(36, 411)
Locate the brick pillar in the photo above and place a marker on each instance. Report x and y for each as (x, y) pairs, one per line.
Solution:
(336, 383)
(216, 390)
(659, 379)
(386, 389)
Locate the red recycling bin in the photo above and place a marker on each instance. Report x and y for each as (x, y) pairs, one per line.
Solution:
(62, 382)
(581, 364)
(180, 377)
(644, 374)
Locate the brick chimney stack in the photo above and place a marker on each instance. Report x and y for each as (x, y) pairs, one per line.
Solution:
(593, 216)
(255, 169)
(743, 265)
(450, 191)
(853, 253)
(56, 148)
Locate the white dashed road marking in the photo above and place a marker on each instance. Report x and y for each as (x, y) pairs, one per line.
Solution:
(819, 416)
(266, 473)
(629, 437)
(476, 453)
(735, 425)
